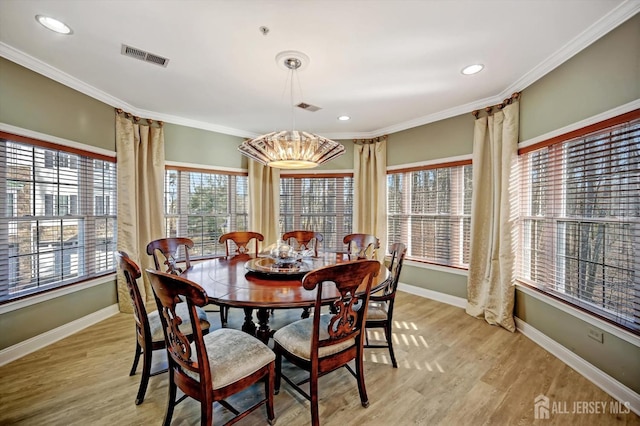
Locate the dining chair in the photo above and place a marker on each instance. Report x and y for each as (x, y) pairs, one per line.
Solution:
(303, 240)
(212, 367)
(364, 246)
(169, 248)
(380, 314)
(149, 335)
(241, 240)
(325, 342)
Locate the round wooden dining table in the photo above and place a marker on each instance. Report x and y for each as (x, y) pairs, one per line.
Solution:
(240, 282)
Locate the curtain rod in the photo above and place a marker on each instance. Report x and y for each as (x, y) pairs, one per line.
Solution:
(504, 103)
(137, 119)
(370, 141)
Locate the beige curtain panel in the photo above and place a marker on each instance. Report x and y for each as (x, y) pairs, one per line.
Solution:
(264, 191)
(490, 284)
(370, 190)
(140, 156)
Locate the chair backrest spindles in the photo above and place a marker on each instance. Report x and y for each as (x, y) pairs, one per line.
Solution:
(241, 239)
(364, 246)
(170, 248)
(305, 240)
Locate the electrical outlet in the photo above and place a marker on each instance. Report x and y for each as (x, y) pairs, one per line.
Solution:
(596, 335)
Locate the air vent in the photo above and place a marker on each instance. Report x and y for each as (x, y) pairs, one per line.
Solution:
(144, 56)
(308, 107)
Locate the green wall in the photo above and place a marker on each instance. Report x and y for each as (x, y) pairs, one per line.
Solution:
(443, 139)
(34, 102)
(31, 101)
(603, 76)
(600, 78)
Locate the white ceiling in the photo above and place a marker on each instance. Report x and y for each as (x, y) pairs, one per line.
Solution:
(390, 65)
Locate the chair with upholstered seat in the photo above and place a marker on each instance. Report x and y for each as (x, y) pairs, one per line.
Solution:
(303, 240)
(241, 240)
(170, 249)
(172, 252)
(364, 246)
(214, 366)
(149, 335)
(381, 303)
(326, 342)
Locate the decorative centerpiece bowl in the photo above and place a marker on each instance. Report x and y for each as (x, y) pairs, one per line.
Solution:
(284, 255)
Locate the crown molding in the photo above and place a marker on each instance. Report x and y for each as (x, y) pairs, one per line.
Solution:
(607, 23)
(61, 77)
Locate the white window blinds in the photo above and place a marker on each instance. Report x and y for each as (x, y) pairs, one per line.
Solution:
(59, 223)
(321, 203)
(429, 210)
(203, 205)
(580, 222)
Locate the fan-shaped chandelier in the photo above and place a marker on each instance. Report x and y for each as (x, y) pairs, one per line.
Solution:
(291, 149)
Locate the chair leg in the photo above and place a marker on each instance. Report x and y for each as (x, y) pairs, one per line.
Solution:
(136, 358)
(146, 373)
(364, 399)
(278, 377)
(388, 336)
(206, 412)
(313, 391)
(172, 399)
(224, 316)
(269, 387)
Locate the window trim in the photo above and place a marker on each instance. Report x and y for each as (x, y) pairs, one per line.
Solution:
(459, 161)
(593, 126)
(45, 141)
(194, 168)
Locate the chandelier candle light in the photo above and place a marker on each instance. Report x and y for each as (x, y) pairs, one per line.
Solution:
(291, 149)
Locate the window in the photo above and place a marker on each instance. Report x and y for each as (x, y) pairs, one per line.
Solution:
(321, 203)
(51, 235)
(203, 205)
(429, 209)
(580, 221)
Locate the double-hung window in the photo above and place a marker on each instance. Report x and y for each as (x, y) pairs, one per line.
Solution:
(428, 208)
(580, 221)
(53, 230)
(321, 203)
(202, 205)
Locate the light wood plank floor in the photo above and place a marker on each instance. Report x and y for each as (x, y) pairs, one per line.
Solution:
(453, 370)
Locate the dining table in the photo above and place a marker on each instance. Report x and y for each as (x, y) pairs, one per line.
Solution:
(258, 282)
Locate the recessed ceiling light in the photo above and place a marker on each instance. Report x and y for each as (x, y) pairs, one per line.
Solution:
(472, 69)
(54, 25)
(344, 118)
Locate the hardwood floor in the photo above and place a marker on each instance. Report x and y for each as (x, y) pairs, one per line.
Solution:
(453, 370)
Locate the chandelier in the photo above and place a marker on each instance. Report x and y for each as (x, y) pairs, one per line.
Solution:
(291, 149)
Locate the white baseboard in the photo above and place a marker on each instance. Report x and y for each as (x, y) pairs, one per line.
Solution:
(596, 376)
(40, 341)
(434, 295)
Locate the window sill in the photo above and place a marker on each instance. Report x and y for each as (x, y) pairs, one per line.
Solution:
(581, 315)
(43, 297)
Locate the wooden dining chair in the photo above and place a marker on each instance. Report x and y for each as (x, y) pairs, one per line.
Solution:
(241, 240)
(214, 366)
(364, 246)
(170, 249)
(149, 335)
(238, 243)
(326, 342)
(380, 314)
(303, 240)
